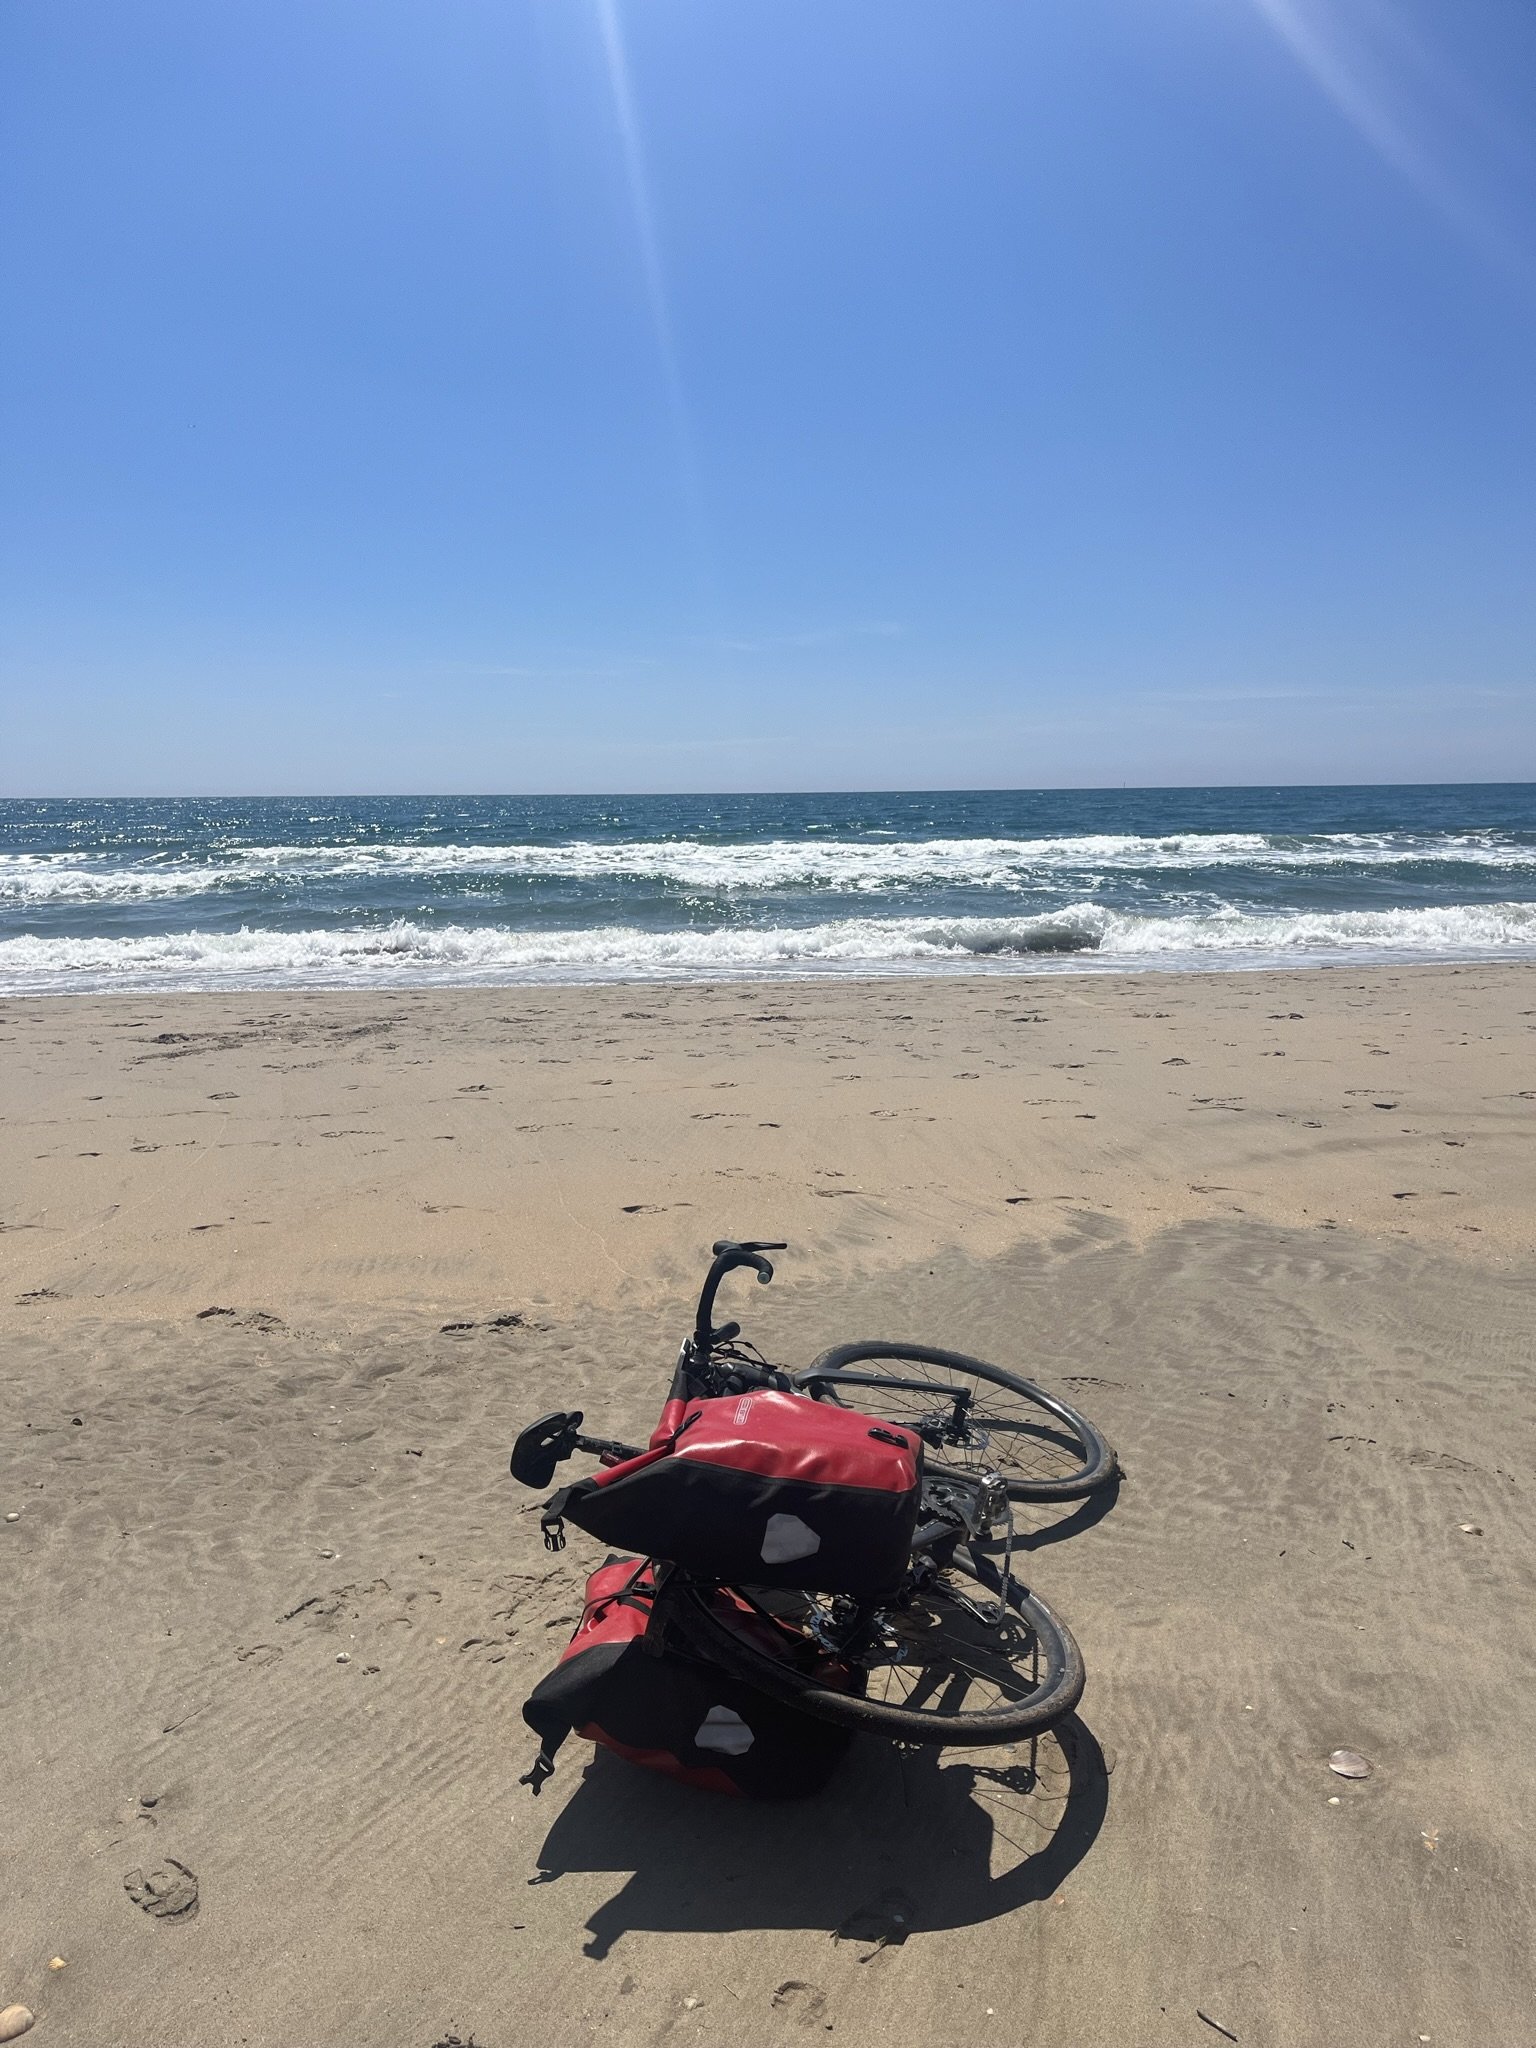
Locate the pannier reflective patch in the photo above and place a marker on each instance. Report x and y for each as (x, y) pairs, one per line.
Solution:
(787, 1537)
(725, 1731)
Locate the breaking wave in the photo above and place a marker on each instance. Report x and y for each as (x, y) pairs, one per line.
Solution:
(1080, 935)
(857, 866)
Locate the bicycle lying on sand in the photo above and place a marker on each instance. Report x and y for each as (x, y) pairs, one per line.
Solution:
(838, 1540)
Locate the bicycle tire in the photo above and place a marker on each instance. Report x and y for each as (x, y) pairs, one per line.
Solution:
(1047, 1442)
(1055, 1694)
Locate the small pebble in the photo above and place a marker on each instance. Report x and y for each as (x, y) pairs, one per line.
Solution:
(13, 1516)
(14, 2021)
(342, 1657)
(690, 2003)
(1467, 1529)
(327, 1553)
(57, 1963)
(149, 1799)
(1333, 1799)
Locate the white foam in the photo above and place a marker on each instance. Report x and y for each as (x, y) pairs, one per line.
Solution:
(866, 867)
(1081, 935)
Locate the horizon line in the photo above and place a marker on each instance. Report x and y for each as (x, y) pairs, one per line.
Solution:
(633, 795)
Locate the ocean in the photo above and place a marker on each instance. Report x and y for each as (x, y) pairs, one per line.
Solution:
(390, 892)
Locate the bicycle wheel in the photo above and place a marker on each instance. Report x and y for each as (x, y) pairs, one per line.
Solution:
(936, 1673)
(971, 1416)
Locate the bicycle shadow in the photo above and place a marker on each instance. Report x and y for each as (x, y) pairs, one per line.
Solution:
(902, 1843)
(1085, 1515)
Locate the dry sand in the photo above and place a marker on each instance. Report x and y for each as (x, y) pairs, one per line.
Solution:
(1274, 1231)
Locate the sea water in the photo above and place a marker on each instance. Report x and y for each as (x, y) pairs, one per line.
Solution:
(364, 892)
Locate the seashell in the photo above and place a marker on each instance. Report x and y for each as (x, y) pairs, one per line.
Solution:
(1349, 1763)
(14, 2022)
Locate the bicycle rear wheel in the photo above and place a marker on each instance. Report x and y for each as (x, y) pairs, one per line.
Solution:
(972, 1417)
(936, 1672)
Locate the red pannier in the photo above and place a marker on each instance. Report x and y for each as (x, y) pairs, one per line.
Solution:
(761, 1489)
(646, 1701)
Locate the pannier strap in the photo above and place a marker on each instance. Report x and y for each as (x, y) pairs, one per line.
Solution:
(625, 1595)
(628, 1466)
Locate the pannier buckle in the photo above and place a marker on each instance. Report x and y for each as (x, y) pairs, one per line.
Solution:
(543, 1767)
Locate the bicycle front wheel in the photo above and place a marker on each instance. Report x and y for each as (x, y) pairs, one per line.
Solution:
(937, 1670)
(971, 1416)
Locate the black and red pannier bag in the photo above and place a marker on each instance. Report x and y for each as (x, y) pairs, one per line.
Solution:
(761, 1489)
(619, 1686)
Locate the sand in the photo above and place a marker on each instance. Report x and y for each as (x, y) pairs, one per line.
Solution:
(272, 1602)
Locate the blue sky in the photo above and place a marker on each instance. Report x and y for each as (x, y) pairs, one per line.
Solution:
(726, 394)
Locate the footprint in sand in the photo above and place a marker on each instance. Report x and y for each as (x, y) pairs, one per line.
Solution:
(169, 1892)
(801, 2002)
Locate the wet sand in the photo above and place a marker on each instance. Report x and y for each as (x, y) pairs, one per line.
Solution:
(1275, 1232)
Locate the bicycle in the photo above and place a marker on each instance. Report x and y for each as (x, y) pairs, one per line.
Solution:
(957, 1651)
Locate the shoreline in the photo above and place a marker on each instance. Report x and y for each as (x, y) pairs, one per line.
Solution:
(1048, 963)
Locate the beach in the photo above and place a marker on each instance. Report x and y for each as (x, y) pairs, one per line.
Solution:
(286, 1271)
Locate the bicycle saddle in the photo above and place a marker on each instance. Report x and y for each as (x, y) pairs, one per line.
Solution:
(543, 1445)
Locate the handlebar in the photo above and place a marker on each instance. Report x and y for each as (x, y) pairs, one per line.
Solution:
(728, 1257)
